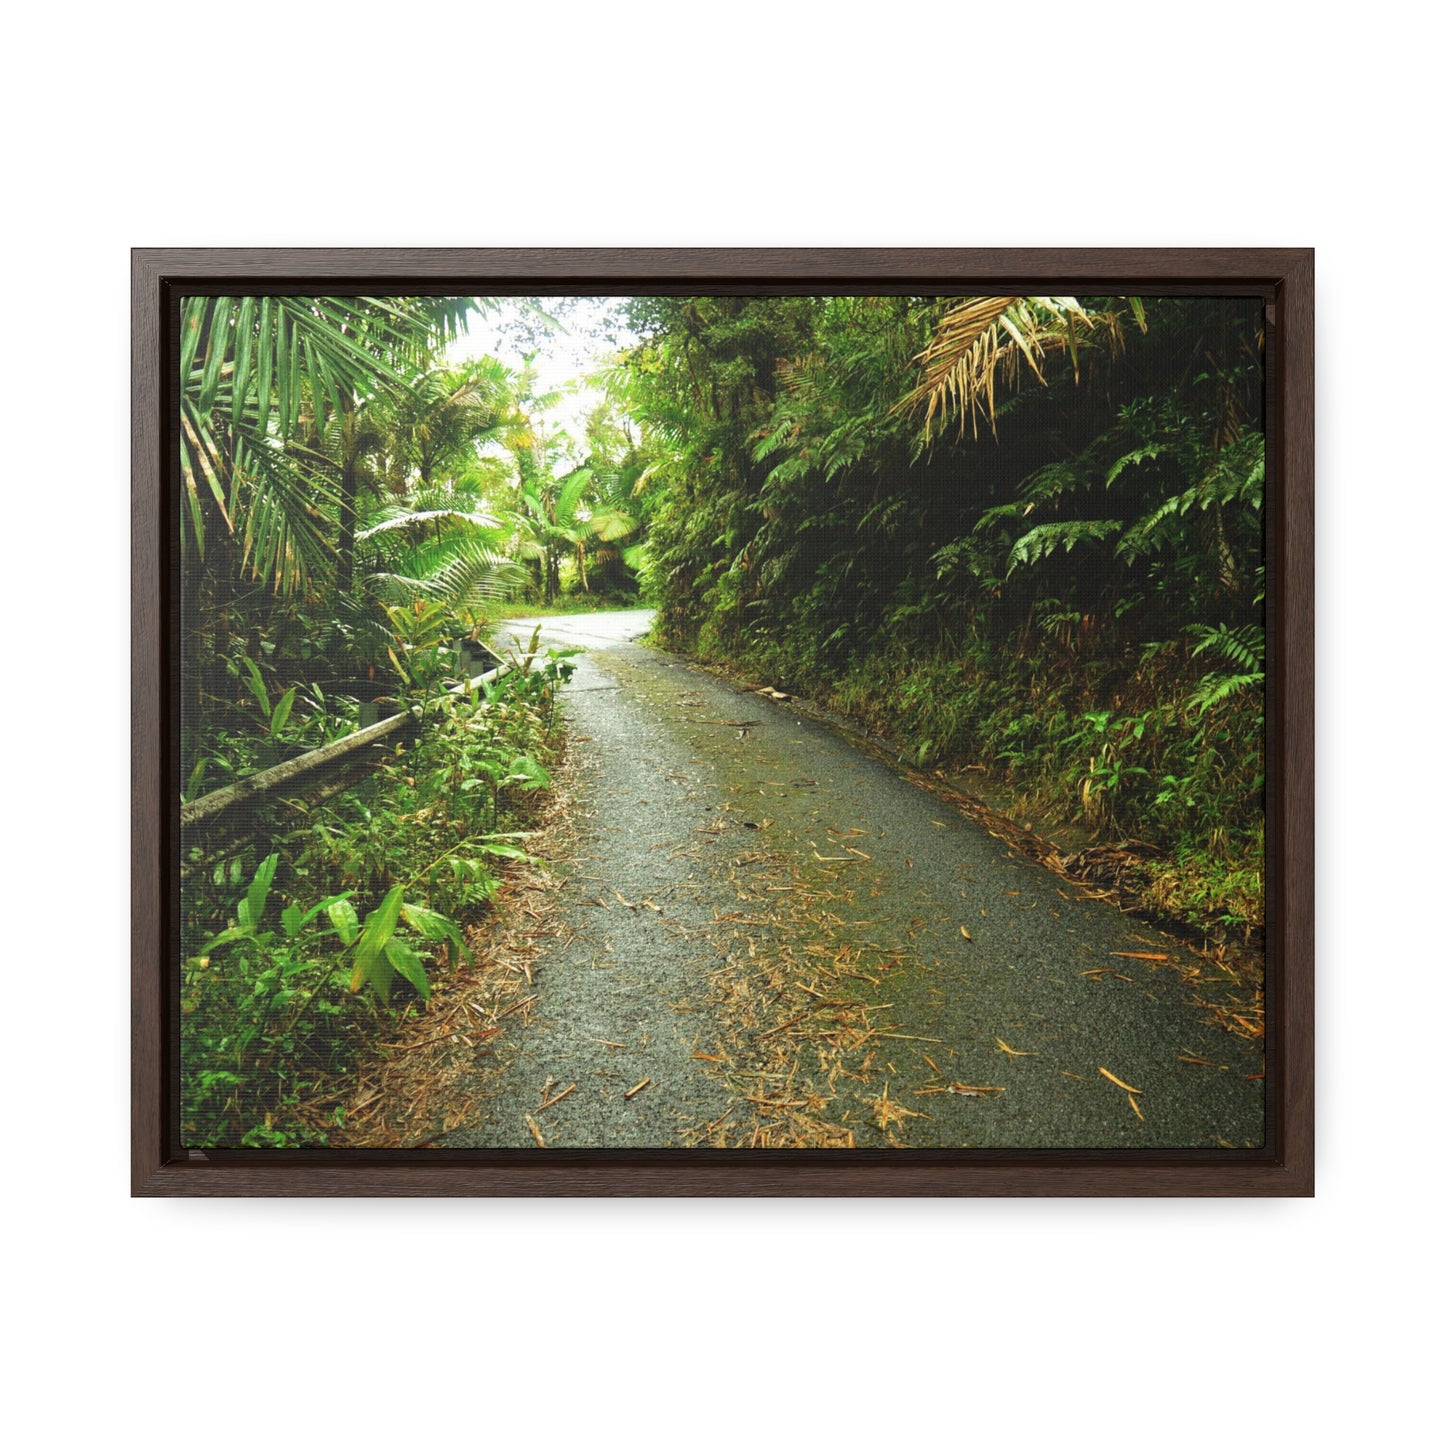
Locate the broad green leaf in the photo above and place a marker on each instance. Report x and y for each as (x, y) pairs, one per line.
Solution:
(193, 784)
(343, 919)
(323, 393)
(245, 346)
(372, 968)
(193, 502)
(436, 926)
(260, 887)
(293, 402)
(226, 935)
(375, 932)
(256, 685)
(193, 322)
(283, 371)
(324, 906)
(216, 348)
(263, 363)
(411, 966)
(291, 920)
(282, 711)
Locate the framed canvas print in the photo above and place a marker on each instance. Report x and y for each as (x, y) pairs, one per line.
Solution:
(722, 722)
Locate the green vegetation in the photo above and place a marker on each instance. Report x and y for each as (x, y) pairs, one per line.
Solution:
(1023, 532)
(570, 605)
(291, 960)
(354, 508)
(340, 478)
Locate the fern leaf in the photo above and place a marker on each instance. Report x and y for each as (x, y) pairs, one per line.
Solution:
(1045, 539)
(1134, 459)
(1057, 479)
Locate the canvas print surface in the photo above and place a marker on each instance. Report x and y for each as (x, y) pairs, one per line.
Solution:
(721, 722)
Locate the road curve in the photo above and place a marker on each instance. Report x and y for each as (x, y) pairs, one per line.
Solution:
(782, 941)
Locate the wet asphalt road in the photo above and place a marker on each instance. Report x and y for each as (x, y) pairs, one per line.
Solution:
(673, 809)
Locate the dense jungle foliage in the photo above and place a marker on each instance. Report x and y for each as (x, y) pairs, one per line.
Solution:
(1018, 532)
(354, 510)
(349, 497)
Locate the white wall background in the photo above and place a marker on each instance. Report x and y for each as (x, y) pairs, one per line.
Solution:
(648, 124)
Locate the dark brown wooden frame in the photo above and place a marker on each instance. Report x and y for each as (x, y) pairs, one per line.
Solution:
(1283, 278)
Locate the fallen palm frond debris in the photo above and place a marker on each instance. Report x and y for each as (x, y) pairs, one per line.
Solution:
(807, 1078)
(549, 1099)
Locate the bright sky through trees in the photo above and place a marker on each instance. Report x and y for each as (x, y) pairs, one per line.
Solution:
(588, 330)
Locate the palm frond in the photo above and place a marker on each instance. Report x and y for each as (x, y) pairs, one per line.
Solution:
(982, 341)
(612, 524)
(256, 372)
(284, 533)
(399, 518)
(471, 574)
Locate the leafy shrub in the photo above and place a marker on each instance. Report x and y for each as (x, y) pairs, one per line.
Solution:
(293, 958)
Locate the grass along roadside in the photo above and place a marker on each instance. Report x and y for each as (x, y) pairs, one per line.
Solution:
(570, 606)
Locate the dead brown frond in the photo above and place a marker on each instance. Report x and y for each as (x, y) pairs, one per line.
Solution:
(982, 341)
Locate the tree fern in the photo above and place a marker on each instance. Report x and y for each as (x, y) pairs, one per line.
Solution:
(1057, 479)
(398, 518)
(1242, 647)
(463, 572)
(1133, 459)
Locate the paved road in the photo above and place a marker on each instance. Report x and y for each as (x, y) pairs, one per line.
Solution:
(794, 945)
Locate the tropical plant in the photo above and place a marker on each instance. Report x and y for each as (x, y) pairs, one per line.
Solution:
(977, 589)
(259, 378)
(553, 522)
(981, 341)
